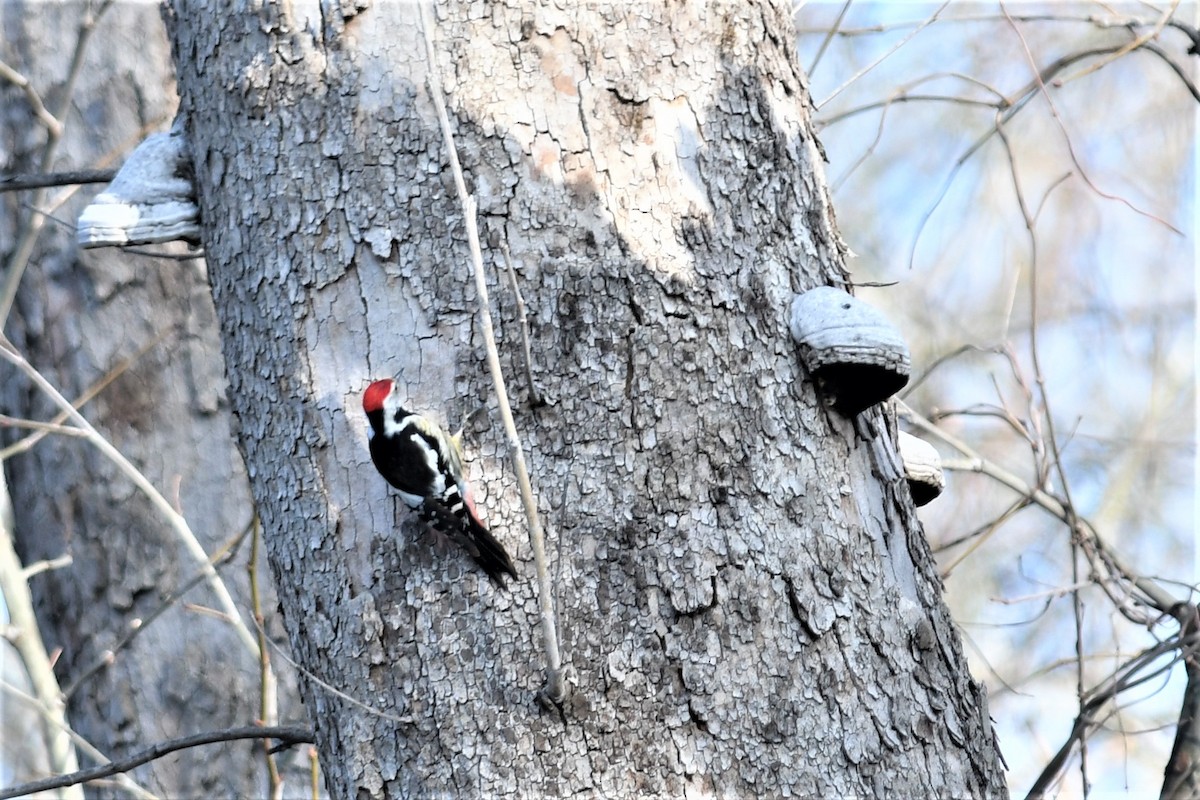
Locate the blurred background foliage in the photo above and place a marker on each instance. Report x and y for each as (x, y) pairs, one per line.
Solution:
(942, 123)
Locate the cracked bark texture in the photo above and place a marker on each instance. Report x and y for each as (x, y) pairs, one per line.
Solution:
(77, 316)
(745, 598)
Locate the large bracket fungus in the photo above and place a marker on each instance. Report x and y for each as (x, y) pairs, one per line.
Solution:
(152, 198)
(856, 356)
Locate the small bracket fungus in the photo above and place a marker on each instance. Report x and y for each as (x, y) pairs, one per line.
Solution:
(856, 356)
(922, 468)
(152, 198)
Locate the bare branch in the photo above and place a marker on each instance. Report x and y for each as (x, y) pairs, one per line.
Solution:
(44, 427)
(1041, 81)
(1023, 97)
(38, 567)
(1189, 32)
(555, 689)
(312, 676)
(1133, 673)
(29, 645)
(905, 97)
(87, 748)
(1106, 560)
(944, 359)
(268, 710)
(48, 120)
(983, 533)
(178, 523)
(535, 397)
(1179, 71)
(1132, 45)
(929, 21)
(106, 658)
(13, 183)
(1181, 778)
(286, 734)
(829, 34)
(32, 227)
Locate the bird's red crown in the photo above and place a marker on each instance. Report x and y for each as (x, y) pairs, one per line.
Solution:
(376, 393)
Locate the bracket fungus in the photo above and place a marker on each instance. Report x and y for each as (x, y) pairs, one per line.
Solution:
(922, 468)
(152, 198)
(857, 357)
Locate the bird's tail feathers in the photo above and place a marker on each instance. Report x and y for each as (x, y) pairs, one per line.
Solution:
(490, 554)
(473, 536)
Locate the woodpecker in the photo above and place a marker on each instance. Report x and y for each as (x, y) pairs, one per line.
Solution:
(424, 463)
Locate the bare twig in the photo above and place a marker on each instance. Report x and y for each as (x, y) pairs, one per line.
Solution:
(1023, 97)
(268, 711)
(1129, 675)
(535, 397)
(1132, 45)
(982, 534)
(162, 254)
(1042, 90)
(1039, 377)
(1101, 21)
(53, 127)
(555, 689)
(100, 385)
(1181, 778)
(87, 748)
(32, 226)
(928, 21)
(338, 693)
(1179, 71)
(829, 34)
(1106, 560)
(30, 647)
(287, 734)
(43, 427)
(314, 773)
(38, 567)
(1049, 594)
(943, 359)
(986, 410)
(1080, 679)
(1188, 31)
(902, 95)
(224, 554)
(182, 530)
(13, 183)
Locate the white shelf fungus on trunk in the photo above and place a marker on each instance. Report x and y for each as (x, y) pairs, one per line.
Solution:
(922, 468)
(152, 198)
(856, 356)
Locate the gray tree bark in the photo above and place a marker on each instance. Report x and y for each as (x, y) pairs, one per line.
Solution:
(77, 317)
(745, 597)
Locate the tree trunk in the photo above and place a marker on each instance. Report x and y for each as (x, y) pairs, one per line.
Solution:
(745, 597)
(77, 317)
